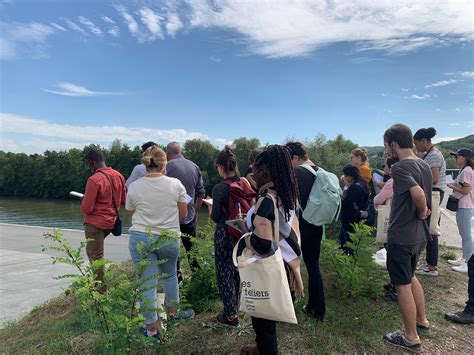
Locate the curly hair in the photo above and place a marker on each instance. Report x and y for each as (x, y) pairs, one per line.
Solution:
(276, 161)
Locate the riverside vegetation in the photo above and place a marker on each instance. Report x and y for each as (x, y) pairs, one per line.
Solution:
(85, 321)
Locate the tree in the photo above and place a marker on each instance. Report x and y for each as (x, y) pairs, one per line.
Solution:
(203, 154)
(242, 147)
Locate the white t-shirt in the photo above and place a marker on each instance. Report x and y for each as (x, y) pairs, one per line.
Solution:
(155, 202)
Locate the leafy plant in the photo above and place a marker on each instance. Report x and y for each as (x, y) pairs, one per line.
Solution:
(200, 289)
(114, 312)
(354, 275)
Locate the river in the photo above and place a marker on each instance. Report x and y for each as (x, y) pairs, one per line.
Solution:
(63, 214)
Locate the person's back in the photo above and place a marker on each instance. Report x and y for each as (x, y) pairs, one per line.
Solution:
(155, 202)
(97, 205)
(405, 227)
(190, 176)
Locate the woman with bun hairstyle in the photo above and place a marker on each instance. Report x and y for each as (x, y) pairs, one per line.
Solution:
(434, 158)
(228, 280)
(462, 190)
(156, 203)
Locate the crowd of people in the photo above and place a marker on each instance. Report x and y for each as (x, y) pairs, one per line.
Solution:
(165, 191)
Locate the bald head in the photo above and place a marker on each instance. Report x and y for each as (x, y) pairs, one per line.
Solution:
(173, 149)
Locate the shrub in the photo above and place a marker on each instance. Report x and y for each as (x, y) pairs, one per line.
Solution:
(354, 275)
(200, 289)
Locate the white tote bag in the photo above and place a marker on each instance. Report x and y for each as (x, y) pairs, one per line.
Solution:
(434, 218)
(383, 221)
(264, 289)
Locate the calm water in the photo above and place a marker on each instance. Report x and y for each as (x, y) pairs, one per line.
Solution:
(54, 213)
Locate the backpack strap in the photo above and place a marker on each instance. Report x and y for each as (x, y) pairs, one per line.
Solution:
(311, 169)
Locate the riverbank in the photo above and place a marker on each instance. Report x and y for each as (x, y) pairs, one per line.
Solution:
(27, 274)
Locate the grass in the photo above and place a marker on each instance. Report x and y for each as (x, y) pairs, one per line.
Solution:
(351, 325)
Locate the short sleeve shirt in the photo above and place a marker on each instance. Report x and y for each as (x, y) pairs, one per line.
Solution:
(405, 227)
(435, 159)
(155, 202)
(466, 177)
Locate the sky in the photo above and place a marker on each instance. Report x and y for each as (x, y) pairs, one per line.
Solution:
(77, 72)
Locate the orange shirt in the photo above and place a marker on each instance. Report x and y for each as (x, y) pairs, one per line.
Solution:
(366, 172)
(97, 205)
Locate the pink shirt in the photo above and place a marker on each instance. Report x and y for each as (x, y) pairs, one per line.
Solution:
(384, 194)
(466, 176)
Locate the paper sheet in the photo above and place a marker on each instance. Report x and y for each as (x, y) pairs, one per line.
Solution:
(76, 194)
(208, 201)
(377, 178)
(188, 198)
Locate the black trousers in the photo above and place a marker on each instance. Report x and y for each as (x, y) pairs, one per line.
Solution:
(188, 231)
(432, 246)
(470, 286)
(266, 337)
(311, 237)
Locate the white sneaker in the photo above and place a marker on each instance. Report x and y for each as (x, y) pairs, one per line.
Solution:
(460, 268)
(457, 262)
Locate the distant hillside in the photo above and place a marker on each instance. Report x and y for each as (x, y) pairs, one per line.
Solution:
(465, 142)
(376, 153)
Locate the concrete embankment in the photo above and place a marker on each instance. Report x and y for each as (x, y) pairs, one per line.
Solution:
(27, 274)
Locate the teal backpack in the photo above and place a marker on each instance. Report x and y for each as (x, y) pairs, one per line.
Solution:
(324, 201)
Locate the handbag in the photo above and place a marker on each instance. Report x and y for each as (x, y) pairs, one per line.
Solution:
(452, 203)
(117, 230)
(264, 289)
(434, 217)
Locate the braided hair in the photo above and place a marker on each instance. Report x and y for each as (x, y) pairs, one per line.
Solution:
(276, 160)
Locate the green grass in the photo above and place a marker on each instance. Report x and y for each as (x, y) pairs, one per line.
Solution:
(351, 325)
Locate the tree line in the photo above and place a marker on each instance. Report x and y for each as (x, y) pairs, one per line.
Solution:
(54, 173)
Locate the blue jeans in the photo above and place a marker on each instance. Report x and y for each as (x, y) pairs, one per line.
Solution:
(463, 219)
(161, 264)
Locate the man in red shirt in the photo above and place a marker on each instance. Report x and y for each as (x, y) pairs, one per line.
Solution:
(98, 206)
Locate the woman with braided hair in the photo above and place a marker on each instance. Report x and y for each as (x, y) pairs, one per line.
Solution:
(274, 176)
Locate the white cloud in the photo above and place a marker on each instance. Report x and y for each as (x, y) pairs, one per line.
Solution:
(405, 90)
(441, 83)
(23, 38)
(68, 89)
(467, 74)
(59, 27)
(113, 30)
(131, 23)
(296, 28)
(73, 26)
(383, 94)
(93, 28)
(152, 21)
(108, 20)
(173, 24)
(422, 97)
(215, 59)
(438, 110)
(54, 136)
(221, 142)
(445, 139)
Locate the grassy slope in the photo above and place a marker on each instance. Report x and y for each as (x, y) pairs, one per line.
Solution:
(350, 326)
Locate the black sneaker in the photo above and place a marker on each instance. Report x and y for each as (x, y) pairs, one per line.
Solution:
(398, 339)
(390, 296)
(310, 312)
(460, 317)
(423, 329)
(226, 321)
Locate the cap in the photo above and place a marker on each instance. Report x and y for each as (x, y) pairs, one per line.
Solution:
(464, 152)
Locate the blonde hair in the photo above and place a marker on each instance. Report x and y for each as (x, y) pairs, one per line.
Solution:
(154, 158)
(362, 153)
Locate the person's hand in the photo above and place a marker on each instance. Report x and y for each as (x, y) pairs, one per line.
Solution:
(451, 185)
(242, 225)
(424, 214)
(379, 184)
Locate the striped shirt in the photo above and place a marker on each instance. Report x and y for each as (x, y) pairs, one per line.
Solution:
(435, 159)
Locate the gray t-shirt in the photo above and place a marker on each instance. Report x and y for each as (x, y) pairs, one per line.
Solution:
(435, 159)
(190, 176)
(405, 227)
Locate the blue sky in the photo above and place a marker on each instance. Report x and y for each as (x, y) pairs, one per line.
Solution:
(80, 72)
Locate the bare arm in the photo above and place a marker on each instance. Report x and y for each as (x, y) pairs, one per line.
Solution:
(419, 199)
(435, 174)
(182, 209)
(198, 206)
(465, 189)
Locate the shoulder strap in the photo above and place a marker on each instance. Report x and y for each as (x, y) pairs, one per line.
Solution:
(111, 188)
(309, 168)
(276, 223)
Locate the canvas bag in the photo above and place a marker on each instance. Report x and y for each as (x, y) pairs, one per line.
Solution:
(435, 213)
(383, 221)
(264, 289)
(324, 201)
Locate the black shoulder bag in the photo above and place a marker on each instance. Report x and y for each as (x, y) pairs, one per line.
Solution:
(117, 230)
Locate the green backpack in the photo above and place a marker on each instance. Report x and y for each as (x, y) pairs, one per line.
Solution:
(324, 201)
